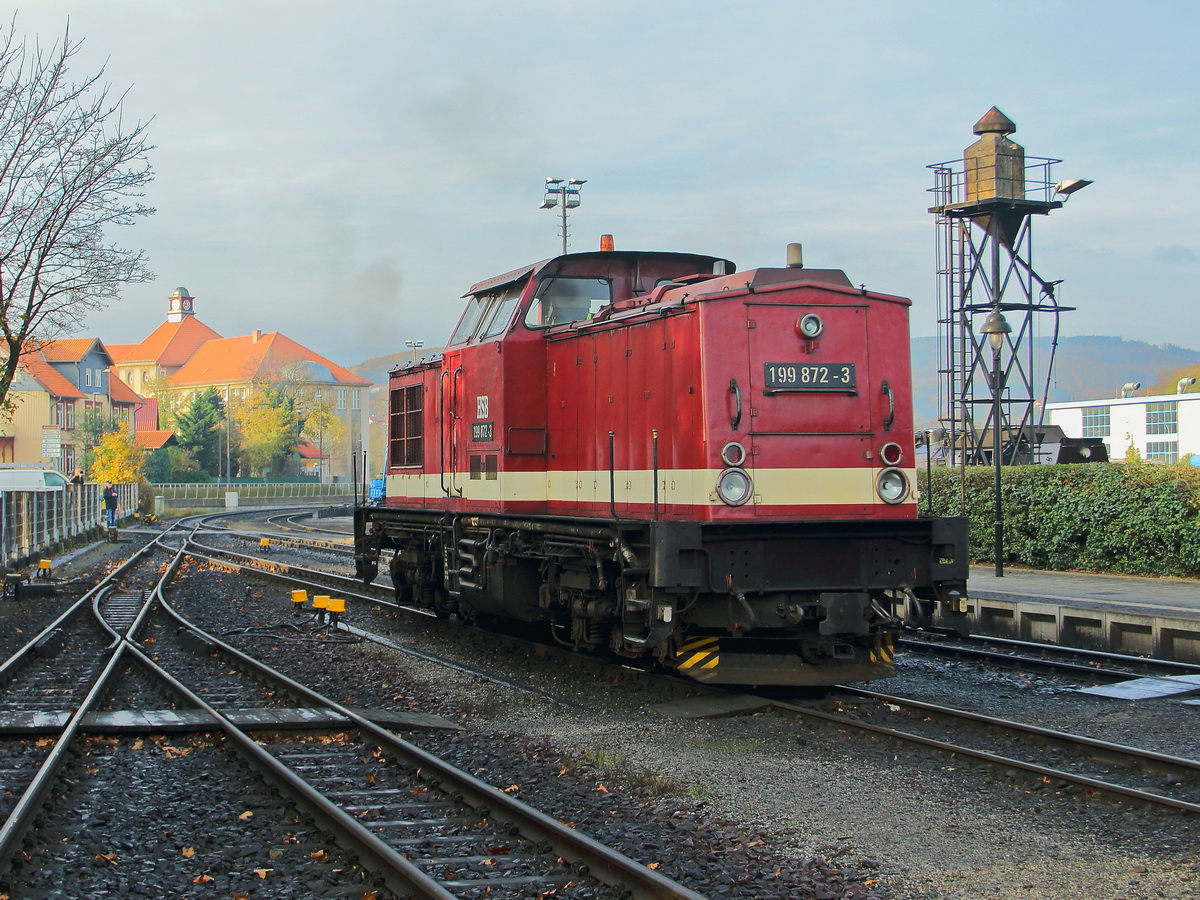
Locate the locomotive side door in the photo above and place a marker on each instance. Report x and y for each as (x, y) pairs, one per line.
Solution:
(473, 426)
(811, 410)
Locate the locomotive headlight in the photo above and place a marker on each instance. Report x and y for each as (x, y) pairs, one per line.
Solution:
(810, 326)
(892, 486)
(734, 487)
(733, 454)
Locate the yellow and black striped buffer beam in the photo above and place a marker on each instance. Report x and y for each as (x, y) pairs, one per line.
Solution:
(698, 657)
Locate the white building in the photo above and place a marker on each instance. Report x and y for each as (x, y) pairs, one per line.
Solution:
(1162, 428)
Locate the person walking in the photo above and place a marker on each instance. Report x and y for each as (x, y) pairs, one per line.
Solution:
(76, 477)
(110, 504)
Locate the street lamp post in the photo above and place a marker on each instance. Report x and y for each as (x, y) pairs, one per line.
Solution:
(996, 327)
(563, 194)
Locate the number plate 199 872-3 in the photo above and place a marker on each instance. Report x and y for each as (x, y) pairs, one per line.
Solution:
(810, 377)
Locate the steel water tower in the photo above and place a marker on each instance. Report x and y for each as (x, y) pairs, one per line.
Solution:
(992, 304)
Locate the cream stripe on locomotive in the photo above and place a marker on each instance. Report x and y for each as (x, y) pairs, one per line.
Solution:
(677, 487)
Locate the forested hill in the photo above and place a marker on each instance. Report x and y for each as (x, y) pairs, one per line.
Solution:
(1085, 368)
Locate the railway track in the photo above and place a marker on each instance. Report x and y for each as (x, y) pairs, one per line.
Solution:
(1115, 770)
(403, 821)
(283, 528)
(1046, 756)
(1093, 665)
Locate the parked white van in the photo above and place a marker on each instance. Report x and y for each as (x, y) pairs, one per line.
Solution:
(32, 480)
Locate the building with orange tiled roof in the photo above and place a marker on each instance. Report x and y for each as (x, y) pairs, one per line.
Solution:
(60, 387)
(236, 366)
(165, 349)
(183, 357)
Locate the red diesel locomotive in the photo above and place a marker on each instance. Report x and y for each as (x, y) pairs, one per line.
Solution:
(656, 455)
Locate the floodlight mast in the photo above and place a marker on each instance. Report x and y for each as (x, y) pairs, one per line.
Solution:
(563, 194)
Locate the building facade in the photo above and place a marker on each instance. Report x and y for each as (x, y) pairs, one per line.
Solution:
(184, 357)
(64, 395)
(1161, 428)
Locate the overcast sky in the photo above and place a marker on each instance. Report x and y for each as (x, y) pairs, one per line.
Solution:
(343, 172)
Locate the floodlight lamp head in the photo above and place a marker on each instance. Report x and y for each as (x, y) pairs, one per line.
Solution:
(549, 203)
(1183, 383)
(1129, 387)
(577, 181)
(1070, 186)
(554, 181)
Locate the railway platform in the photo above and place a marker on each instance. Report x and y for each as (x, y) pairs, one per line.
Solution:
(1174, 596)
(1157, 617)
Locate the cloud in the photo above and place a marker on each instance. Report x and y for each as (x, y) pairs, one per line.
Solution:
(1176, 253)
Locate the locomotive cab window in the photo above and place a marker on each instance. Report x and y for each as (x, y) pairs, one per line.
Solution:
(487, 315)
(500, 310)
(562, 300)
(470, 320)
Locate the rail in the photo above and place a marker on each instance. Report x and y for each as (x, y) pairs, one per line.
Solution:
(34, 522)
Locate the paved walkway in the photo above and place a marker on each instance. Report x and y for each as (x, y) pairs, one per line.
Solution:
(1174, 594)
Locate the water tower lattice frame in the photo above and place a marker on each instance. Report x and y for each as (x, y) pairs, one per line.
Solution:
(984, 256)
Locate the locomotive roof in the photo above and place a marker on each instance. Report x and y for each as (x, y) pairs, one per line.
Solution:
(703, 262)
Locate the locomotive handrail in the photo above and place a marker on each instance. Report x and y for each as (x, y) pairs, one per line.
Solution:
(454, 430)
(612, 474)
(736, 419)
(442, 433)
(891, 416)
(654, 433)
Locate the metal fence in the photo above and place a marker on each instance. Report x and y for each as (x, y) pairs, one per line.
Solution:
(180, 494)
(36, 522)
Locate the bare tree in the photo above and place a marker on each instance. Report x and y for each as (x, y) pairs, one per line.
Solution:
(68, 170)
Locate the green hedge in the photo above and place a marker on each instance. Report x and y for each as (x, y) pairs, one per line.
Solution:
(1125, 518)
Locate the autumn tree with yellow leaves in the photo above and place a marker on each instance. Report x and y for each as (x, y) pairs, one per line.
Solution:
(269, 431)
(118, 459)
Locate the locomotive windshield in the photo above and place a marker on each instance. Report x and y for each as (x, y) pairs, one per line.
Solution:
(561, 300)
(487, 315)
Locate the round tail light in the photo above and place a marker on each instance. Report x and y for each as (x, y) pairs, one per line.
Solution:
(891, 454)
(733, 454)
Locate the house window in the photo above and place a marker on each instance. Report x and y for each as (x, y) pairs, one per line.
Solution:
(341, 400)
(1162, 451)
(407, 427)
(354, 400)
(1097, 421)
(1162, 418)
(87, 377)
(64, 414)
